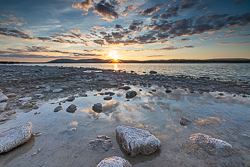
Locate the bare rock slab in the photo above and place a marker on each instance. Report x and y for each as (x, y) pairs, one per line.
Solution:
(15, 136)
(114, 162)
(211, 145)
(136, 141)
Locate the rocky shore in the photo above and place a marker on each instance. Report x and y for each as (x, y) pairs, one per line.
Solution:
(24, 88)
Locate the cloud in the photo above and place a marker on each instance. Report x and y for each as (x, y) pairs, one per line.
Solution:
(238, 1)
(106, 10)
(184, 39)
(129, 8)
(11, 19)
(14, 33)
(85, 5)
(151, 10)
(232, 43)
(203, 38)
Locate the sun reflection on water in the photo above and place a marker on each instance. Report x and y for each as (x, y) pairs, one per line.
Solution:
(116, 67)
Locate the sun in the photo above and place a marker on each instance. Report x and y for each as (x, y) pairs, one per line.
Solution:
(113, 55)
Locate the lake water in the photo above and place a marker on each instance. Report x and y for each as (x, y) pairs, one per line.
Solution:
(224, 71)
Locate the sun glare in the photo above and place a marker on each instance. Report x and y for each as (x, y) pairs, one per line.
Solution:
(113, 55)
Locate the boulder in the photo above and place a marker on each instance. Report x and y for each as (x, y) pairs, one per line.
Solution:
(114, 162)
(72, 108)
(15, 136)
(211, 145)
(97, 107)
(102, 142)
(136, 141)
(58, 108)
(131, 94)
(3, 97)
(107, 98)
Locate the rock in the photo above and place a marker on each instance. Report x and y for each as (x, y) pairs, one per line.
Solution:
(83, 95)
(136, 141)
(71, 98)
(58, 108)
(152, 72)
(168, 91)
(125, 87)
(3, 97)
(102, 141)
(131, 94)
(57, 90)
(25, 99)
(211, 145)
(15, 136)
(184, 121)
(26, 104)
(97, 107)
(220, 94)
(3, 106)
(10, 95)
(72, 108)
(35, 106)
(47, 89)
(114, 162)
(107, 98)
(109, 93)
(65, 87)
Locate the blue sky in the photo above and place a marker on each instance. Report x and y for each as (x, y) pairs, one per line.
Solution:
(40, 31)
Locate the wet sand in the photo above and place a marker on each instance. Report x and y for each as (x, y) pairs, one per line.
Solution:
(65, 136)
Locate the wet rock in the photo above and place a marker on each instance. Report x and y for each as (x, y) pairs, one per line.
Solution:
(136, 141)
(102, 142)
(71, 98)
(83, 95)
(15, 136)
(211, 145)
(152, 72)
(10, 95)
(109, 93)
(35, 106)
(114, 162)
(26, 105)
(72, 108)
(58, 108)
(220, 94)
(168, 91)
(131, 94)
(125, 87)
(107, 98)
(3, 106)
(184, 121)
(3, 98)
(97, 107)
(57, 90)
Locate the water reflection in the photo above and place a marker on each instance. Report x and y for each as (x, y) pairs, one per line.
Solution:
(116, 67)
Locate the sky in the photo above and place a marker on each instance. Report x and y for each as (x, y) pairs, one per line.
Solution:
(41, 31)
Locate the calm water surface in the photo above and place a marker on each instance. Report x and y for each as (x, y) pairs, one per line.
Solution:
(225, 71)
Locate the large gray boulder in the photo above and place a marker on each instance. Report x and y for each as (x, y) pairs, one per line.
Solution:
(114, 162)
(15, 136)
(212, 145)
(136, 141)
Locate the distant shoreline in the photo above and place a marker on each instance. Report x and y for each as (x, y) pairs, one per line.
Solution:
(129, 61)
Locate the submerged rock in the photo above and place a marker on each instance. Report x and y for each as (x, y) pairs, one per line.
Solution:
(102, 141)
(212, 145)
(184, 121)
(114, 162)
(136, 141)
(58, 108)
(15, 136)
(131, 94)
(107, 98)
(97, 107)
(72, 108)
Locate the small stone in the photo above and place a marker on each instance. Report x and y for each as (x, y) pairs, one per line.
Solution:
(136, 141)
(3, 98)
(71, 98)
(107, 98)
(37, 113)
(25, 99)
(114, 162)
(57, 90)
(83, 95)
(131, 94)
(168, 91)
(72, 108)
(125, 87)
(97, 107)
(211, 145)
(15, 136)
(10, 95)
(3, 106)
(184, 121)
(58, 108)
(26, 104)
